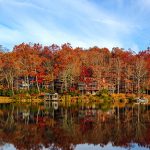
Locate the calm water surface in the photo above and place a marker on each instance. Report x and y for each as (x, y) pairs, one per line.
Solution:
(75, 126)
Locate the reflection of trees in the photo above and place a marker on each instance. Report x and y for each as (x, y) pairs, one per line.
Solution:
(66, 133)
(9, 124)
(139, 125)
(117, 132)
(140, 131)
(32, 137)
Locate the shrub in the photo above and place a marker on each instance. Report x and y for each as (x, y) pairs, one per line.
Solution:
(6, 92)
(104, 94)
(33, 91)
(119, 97)
(101, 92)
(9, 93)
(1, 92)
(130, 97)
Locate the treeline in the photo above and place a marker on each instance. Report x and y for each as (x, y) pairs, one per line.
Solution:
(119, 70)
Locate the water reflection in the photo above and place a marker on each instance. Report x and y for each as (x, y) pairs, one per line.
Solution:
(95, 125)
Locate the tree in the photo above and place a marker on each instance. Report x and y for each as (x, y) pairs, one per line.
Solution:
(139, 72)
(9, 69)
(117, 64)
(29, 61)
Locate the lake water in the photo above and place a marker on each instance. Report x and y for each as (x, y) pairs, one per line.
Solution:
(79, 126)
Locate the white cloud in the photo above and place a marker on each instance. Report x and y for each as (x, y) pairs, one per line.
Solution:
(8, 34)
(79, 22)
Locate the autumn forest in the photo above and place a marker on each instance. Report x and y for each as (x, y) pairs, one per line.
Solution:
(40, 68)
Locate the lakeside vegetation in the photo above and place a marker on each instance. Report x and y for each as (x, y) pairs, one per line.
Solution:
(64, 69)
(68, 100)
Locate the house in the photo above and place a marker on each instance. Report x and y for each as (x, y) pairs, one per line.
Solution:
(58, 85)
(88, 86)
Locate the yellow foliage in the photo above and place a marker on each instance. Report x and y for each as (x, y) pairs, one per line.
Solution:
(5, 99)
(119, 100)
(131, 96)
(9, 100)
(118, 97)
(147, 97)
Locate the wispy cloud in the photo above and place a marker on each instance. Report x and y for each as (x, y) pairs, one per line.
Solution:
(81, 22)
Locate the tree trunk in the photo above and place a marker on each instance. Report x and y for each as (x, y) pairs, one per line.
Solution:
(138, 86)
(118, 85)
(12, 87)
(27, 81)
(17, 84)
(37, 84)
(53, 89)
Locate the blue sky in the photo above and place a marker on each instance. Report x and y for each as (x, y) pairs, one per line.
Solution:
(84, 23)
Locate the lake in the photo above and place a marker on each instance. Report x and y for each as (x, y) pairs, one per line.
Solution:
(77, 126)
